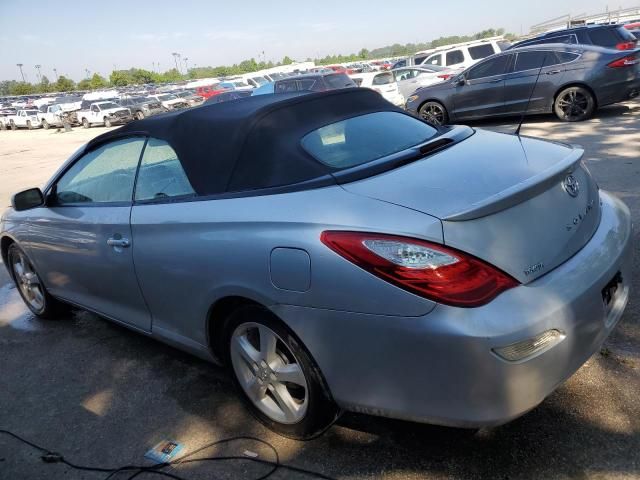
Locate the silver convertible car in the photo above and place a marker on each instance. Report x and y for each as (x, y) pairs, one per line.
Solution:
(337, 254)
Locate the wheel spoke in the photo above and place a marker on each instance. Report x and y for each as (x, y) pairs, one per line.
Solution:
(285, 401)
(267, 345)
(245, 350)
(291, 373)
(37, 295)
(256, 390)
(32, 278)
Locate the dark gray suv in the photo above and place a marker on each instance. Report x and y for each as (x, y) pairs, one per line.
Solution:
(572, 81)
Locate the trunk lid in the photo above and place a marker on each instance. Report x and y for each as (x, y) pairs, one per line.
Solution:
(521, 204)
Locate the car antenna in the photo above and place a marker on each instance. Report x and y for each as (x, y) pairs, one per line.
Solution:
(535, 84)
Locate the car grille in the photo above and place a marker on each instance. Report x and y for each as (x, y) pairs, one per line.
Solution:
(122, 113)
(155, 105)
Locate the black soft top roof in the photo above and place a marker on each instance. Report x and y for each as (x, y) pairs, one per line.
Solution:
(254, 142)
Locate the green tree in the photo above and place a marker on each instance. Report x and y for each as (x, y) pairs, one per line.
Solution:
(119, 78)
(84, 84)
(141, 76)
(98, 82)
(172, 75)
(22, 88)
(363, 54)
(64, 84)
(45, 85)
(286, 60)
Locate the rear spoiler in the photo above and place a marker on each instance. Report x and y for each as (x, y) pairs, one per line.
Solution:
(520, 192)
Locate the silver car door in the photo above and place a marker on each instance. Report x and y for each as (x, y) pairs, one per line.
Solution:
(81, 240)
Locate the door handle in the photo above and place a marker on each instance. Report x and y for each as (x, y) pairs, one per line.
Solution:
(553, 72)
(118, 242)
(497, 80)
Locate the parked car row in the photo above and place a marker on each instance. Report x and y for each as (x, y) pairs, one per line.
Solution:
(570, 73)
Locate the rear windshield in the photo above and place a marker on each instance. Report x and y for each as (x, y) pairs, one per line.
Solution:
(339, 80)
(365, 138)
(610, 37)
(383, 79)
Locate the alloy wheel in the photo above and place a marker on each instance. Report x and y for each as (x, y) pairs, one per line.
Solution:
(269, 373)
(433, 113)
(574, 104)
(28, 281)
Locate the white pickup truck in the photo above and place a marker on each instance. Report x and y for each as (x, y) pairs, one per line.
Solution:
(24, 119)
(104, 113)
(55, 116)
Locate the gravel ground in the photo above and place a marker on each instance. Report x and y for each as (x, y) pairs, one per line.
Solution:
(103, 395)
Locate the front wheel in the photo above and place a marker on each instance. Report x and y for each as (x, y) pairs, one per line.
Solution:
(140, 115)
(434, 113)
(574, 104)
(107, 122)
(29, 125)
(45, 124)
(33, 292)
(277, 378)
(85, 123)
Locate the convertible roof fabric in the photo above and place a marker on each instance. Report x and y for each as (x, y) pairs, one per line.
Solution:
(254, 142)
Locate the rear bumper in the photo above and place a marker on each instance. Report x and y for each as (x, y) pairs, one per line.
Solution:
(619, 91)
(440, 368)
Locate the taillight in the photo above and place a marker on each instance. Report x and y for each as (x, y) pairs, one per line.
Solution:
(445, 76)
(624, 62)
(426, 269)
(626, 45)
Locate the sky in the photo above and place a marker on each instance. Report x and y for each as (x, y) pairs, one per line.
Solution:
(74, 36)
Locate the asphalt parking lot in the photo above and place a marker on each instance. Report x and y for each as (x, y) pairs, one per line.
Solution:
(103, 395)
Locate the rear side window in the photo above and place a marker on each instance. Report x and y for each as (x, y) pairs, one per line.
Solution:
(455, 57)
(418, 60)
(383, 79)
(481, 51)
(503, 45)
(339, 80)
(534, 60)
(558, 39)
(365, 138)
(306, 84)
(161, 174)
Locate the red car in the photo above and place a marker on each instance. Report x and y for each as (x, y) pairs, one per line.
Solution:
(341, 69)
(209, 91)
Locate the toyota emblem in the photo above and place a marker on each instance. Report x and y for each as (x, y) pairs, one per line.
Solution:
(571, 185)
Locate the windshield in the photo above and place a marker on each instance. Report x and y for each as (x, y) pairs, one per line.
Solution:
(259, 80)
(164, 98)
(362, 139)
(108, 105)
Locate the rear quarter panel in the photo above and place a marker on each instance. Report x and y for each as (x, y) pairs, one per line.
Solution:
(188, 255)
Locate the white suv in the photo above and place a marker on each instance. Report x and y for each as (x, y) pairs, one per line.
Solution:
(464, 56)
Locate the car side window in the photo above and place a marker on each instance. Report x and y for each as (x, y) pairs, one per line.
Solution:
(286, 86)
(161, 174)
(481, 51)
(435, 60)
(454, 57)
(489, 68)
(103, 175)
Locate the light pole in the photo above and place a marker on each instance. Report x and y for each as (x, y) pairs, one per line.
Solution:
(19, 65)
(55, 72)
(86, 70)
(176, 55)
(38, 67)
(186, 68)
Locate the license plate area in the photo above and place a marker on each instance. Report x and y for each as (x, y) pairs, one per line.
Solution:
(610, 292)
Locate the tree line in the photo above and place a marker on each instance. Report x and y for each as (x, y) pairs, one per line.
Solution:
(139, 76)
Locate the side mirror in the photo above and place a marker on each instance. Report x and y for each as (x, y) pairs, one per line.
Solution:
(27, 199)
(461, 81)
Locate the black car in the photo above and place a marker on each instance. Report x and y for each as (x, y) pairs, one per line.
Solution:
(568, 80)
(608, 36)
(314, 82)
(142, 107)
(228, 96)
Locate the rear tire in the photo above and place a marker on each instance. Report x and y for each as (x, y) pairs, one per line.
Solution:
(276, 377)
(12, 125)
(85, 123)
(574, 104)
(434, 113)
(29, 125)
(30, 286)
(139, 115)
